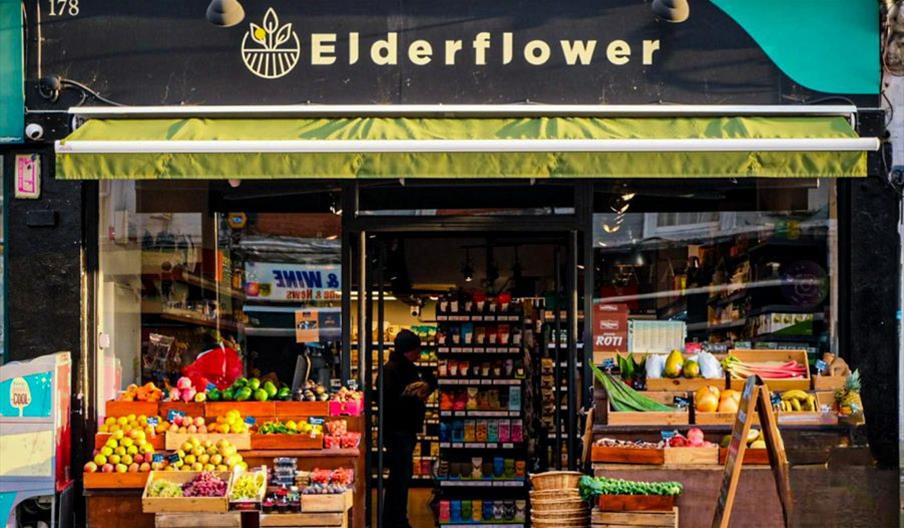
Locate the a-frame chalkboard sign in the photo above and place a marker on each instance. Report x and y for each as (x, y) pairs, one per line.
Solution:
(754, 399)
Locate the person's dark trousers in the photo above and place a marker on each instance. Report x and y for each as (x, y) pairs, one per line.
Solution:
(400, 447)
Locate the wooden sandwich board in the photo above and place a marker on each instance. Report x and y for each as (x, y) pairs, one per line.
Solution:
(754, 399)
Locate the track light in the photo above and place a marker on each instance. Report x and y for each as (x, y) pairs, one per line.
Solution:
(225, 13)
(673, 11)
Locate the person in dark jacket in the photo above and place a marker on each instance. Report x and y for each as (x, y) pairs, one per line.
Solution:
(405, 391)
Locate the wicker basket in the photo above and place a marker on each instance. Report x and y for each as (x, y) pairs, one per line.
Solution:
(554, 494)
(555, 480)
(568, 504)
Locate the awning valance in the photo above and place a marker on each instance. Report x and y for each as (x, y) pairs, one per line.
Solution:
(465, 147)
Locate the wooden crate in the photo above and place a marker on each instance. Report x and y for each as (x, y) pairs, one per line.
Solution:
(261, 411)
(828, 383)
(286, 441)
(677, 417)
(691, 456)
(684, 384)
(635, 503)
(100, 480)
(665, 519)
(100, 439)
(319, 520)
(193, 409)
(337, 502)
(627, 455)
(288, 410)
(241, 441)
(118, 408)
(752, 457)
(192, 520)
(812, 417)
(719, 418)
(774, 355)
(183, 504)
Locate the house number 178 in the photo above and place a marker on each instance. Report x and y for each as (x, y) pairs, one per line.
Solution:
(63, 7)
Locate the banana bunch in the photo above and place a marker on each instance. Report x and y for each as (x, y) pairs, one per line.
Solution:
(797, 401)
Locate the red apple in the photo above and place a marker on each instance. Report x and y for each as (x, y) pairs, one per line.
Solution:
(133, 468)
(90, 467)
(107, 468)
(144, 467)
(138, 459)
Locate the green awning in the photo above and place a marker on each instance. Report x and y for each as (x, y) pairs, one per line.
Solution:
(467, 147)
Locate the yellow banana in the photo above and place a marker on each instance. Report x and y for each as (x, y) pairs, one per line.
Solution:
(795, 394)
(795, 405)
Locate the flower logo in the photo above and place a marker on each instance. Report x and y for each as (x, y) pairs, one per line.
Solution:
(269, 50)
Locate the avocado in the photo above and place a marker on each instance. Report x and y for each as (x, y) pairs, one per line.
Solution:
(270, 388)
(260, 395)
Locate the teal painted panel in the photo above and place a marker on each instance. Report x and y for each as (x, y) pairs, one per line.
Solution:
(12, 94)
(40, 388)
(826, 45)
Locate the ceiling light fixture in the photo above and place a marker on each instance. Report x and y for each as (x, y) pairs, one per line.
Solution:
(225, 13)
(674, 11)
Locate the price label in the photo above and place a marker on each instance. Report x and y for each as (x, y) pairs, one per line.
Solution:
(173, 413)
(173, 458)
(668, 435)
(250, 420)
(153, 421)
(158, 457)
(315, 420)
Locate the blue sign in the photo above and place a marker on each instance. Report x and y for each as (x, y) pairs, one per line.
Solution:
(30, 396)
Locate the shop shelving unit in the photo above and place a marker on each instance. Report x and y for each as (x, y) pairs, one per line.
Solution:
(463, 450)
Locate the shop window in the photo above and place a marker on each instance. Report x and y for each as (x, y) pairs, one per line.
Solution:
(251, 272)
(745, 265)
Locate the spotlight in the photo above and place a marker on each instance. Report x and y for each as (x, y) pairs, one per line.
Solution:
(225, 13)
(673, 11)
(466, 268)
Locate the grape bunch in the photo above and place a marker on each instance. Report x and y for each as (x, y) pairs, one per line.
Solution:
(205, 485)
(247, 486)
(164, 488)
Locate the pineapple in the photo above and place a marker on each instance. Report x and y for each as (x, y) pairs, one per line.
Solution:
(848, 398)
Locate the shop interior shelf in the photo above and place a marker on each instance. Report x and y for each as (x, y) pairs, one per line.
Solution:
(464, 318)
(483, 524)
(480, 381)
(480, 445)
(481, 414)
(481, 483)
(488, 349)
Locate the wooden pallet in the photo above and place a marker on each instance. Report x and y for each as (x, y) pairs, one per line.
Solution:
(192, 520)
(633, 519)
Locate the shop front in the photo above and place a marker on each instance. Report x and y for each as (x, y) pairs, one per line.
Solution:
(267, 206)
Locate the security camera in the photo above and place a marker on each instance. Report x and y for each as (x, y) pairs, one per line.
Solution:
(34, 131)
(416, 310)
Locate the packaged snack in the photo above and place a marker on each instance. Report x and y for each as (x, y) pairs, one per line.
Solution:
(520, 510)
(476, 510)
(455, 513)
(446, 402)
(520, 469)
(508, 468)
(492, 336)
(467, 333)
(466, 510)
(453, 368)
(480, 337)
(461, 401)
(444, 511)
(504, 431)
(509, 368)
(445, 432)
(517, 432)
(442, 368)
(485, 369)
(477, 468)
(488, 510)
(514, 400)
(470, 432)
(498, 467)
(472, 404)
(458, 430)
(493, 431)
(481, 434)
(503, 334)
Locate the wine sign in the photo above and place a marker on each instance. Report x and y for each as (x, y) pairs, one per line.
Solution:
(754, 399)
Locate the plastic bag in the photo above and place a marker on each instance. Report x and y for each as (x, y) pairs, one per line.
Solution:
(655, 366)
(709, 366)
(220, 365)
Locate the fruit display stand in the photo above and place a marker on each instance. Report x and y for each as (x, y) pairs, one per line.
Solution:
(241, 441)
(650, 519)
(115, 499)
(675, 417)
(782, 384)
(150, 504)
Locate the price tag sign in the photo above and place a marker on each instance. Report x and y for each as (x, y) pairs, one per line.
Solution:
(172, 414)
(173, 458)
(158, 457)
(153, 421)
(250, 420)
